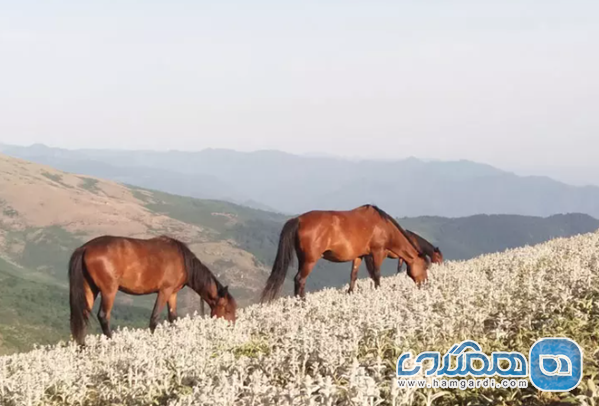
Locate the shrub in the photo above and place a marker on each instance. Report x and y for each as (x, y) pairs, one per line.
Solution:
(335, 348)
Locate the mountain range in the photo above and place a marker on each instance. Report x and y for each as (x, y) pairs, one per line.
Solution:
(291, 184)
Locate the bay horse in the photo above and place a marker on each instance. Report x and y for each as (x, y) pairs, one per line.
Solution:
(161, 265)
(341, 236)
(432, 252)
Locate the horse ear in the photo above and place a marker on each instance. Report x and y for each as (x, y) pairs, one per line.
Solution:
(224, 291)
(437, 249)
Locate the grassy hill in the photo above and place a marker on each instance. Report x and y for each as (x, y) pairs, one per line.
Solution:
(340, 349)
(46, 213)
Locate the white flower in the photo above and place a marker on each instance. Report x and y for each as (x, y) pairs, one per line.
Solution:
(333, 349)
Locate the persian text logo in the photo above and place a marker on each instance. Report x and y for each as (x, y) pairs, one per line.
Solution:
(555, 364)
(518, 365)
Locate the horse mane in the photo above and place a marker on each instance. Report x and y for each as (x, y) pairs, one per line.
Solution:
(424, 244)
(385, 216)
(199, 277)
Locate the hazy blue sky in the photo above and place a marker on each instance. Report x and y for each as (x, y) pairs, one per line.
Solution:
(511, 83)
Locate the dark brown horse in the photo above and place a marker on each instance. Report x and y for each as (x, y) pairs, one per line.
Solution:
(159, 265)
(433, 254)
(341, 236)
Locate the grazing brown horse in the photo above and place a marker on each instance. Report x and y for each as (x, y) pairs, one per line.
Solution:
(341, 236)
(159, 265)
(433, 254)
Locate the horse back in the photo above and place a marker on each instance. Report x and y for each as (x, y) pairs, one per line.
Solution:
(138, 266)
(348, 233)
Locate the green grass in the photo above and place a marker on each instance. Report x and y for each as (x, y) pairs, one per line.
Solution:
(259, 237)
(253, 230)
(10, 212)
(7, 210)
(36, 312)
(57, 178)
(252, 349)
(46, 250)
(137, 192)
(89, 184)
(53, 177)
(206, 213)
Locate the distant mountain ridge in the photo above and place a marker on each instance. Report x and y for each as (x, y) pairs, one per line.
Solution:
(287, 183)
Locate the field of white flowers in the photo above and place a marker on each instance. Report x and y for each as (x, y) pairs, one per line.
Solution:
(337, 349)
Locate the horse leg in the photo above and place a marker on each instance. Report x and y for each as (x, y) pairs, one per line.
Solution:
(377, 260)
(354, 274)
(172, 307)
(370, 266)
(104, 311)
(399, 265)
(158, 306)
(91, 293)
(300, 279)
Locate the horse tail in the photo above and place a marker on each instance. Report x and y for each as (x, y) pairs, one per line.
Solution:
(77, 299)
(287, 244)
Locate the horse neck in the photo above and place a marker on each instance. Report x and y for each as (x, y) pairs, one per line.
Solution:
(399, 244)
(210, 293)
(203, 282)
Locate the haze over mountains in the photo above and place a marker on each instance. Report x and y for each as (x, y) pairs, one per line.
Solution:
(292, 184)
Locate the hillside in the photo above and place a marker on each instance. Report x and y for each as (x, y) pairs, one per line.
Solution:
(35, 312)
(46, 213)
(468, 237)
(336, 348)
(293, 184)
